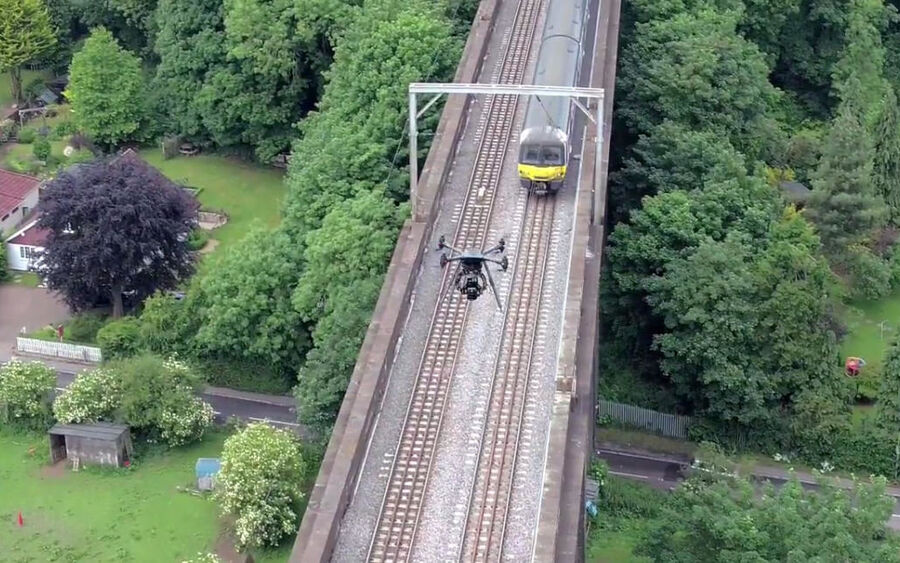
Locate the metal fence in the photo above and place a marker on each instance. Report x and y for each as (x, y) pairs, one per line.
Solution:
(671, 425)
(58, 350)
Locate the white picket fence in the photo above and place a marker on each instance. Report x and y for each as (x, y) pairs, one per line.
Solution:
(671, 425)
(59, 350)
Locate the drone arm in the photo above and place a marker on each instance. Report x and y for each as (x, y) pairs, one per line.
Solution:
(494, 288)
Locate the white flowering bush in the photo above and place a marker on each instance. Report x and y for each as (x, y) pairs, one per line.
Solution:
(91, 397)
(259, 484)
(184, 418)
(204, 558)
(26, 392)
(159, 401)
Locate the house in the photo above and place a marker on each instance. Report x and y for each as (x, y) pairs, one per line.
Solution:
(19, 195)
(24, 245)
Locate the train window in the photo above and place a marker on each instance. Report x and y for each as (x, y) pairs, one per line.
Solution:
(552, 156)
(531, 155)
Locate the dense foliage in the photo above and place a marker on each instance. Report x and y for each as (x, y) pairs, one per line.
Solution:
(106, 89)
(259, 484)
(26, 393)
(115, 226)
(26, 32)
(93, 396)
(302, 294)
(719, 296)
(155, 397)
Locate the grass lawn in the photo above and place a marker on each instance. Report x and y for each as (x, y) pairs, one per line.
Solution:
(106, 515)
(246, 192)
(615, 544)
(28, 279)
(866, 339)
(19, 157)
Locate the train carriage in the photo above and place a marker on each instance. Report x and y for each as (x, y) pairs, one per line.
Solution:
(544, 143)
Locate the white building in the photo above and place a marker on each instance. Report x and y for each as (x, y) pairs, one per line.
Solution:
(19, 195)
(22, 246)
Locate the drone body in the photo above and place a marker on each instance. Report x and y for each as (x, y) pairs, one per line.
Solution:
(472, 276)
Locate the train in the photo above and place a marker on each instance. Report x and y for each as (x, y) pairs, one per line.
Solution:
(545, 140)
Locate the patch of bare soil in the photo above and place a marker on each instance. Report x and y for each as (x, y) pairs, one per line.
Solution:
(225, 547)
(210, 245)
(55, 471)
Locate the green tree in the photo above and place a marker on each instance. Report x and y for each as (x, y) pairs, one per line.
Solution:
(4, 274)
(811, 46)
(858, 76)
(41, 148)
(844, 205)
(158, 399)
(190, 43)
(888, 406)
(672, 157)
(345, 260)
(694, 69)
(93, 396)
(106, 90)
(886, 167)
(726, 520)
(25, 34)
(245, 302)
(746, 329)
(259, 484)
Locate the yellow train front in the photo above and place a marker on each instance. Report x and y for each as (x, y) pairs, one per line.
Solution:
(543, 157)
(544, 144)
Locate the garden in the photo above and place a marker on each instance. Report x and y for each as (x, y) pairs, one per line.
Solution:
(148, 509)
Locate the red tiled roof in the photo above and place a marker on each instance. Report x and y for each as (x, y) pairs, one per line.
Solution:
(13, 189)
(33, 236)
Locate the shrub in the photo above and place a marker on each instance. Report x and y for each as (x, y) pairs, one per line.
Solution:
(184, 418)
(120, 338)
(197, 239)
(7, 129)
(65, 128)
(93, 396)
(259, 484)
(26, 136)
(158, 399)
(26, 390)
(246, 375)
(41, 149)
(84, 327)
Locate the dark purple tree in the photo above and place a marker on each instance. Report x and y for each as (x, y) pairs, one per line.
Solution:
(116, 227)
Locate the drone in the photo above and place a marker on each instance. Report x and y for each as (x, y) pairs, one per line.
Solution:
(469, 278)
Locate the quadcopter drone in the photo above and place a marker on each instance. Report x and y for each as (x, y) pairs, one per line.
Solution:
(469, 278)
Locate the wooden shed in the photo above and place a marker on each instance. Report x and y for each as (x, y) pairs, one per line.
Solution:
(99, 444)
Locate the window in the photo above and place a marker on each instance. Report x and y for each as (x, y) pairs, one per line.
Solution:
(21, 252)
(5, 217)
(530, 155)
(26, 252)
(15, 209)
(552, 156)
(24, 210)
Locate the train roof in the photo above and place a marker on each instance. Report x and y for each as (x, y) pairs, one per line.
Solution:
(557, 64)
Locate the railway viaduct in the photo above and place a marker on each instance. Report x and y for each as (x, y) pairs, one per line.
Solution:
(464, 433)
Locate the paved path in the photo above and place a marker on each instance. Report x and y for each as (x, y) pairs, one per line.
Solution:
(278, 410)
(664, 471)
(30, 307)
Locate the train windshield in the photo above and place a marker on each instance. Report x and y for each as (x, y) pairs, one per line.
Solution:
(531, 155)
(552, 156)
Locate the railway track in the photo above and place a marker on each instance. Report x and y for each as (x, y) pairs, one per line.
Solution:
(488, 505)
(395, 530)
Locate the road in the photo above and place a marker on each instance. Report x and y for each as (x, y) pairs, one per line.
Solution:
(279, 411)
(664, 472)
